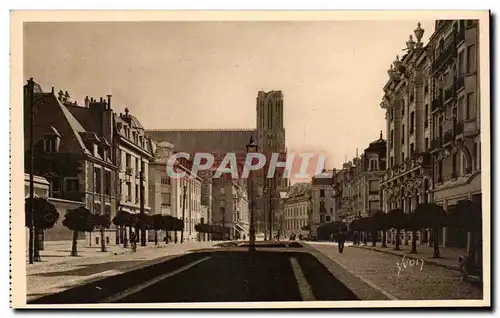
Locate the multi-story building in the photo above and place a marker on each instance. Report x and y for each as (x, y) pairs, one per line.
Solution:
(187, 202)
(76, 159)
(297, 209)
(407, 101)
(431, 102)
(456, 117)
(160, 183)
(322, 203)
(357, 184)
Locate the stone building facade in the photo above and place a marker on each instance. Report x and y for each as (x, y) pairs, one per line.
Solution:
(433, 119)
(322, 203)
(297, 209)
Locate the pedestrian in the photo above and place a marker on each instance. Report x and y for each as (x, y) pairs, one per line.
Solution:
(133, 241)
(341, 239)
(356, 238)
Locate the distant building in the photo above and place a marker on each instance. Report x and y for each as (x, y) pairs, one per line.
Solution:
(297, 209)
(269, 135)
(357, 184)
(322, 202)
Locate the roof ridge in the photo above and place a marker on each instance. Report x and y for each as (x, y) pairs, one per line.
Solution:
(73, 123)
(200, 129)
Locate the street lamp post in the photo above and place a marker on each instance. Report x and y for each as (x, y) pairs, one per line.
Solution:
(31, 222)
(251, 147)
(184, 189)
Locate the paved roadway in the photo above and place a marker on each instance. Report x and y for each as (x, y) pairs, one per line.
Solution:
(224, 275)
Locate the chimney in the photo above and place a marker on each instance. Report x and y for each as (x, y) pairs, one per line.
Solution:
(356, 153)
(381, 135)
(87, 102)
(52, 90)
(109, 100)
(66, 96)
(60, 95)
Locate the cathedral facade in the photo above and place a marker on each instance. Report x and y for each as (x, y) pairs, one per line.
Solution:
(270, 137)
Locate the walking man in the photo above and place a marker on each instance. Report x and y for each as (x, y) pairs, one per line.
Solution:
(341, 239)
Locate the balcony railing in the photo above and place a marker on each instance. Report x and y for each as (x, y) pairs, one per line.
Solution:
(448, 136)
(442, 58)
(436, 143)
(437, 103)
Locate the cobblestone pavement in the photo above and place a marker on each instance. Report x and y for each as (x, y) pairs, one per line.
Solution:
(417, 282)
(50, 277)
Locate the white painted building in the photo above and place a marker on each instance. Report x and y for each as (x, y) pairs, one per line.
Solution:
(297, 209)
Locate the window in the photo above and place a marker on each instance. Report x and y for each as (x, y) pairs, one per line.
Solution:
(426, 122)
(129, 192)
(127, 160)
(403, 107)
(373, 165)
(165, 180)
(392, 161)
(426, 89)
(475, 156)
(426, 144)
(322, 193)
(403, 134)
(461, 63)
(373, 186)
(373, 205)
(137, 194)
(107, 182)
(412, 148)
(412, 122)
(331, 210)
(165, 199)
(72, 185)
(392, 138)
(471, 58)
(55, 184)
(454, 165)
(469, 108)
(321, 218)
(50, 144)
(97, 180)
(402, 157)
(327, 218)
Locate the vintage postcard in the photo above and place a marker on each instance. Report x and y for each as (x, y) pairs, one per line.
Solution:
(173, 159)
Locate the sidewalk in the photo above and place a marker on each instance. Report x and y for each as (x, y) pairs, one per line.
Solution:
(59, 271)
(386, 272)
(448, 259)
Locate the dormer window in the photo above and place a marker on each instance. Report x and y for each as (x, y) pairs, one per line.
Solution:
(52, 141)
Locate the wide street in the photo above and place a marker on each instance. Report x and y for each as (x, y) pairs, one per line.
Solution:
(276, 272)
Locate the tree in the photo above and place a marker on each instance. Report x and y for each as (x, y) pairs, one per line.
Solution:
(413, 224)
(78, 220)
(45, 216)
(157, 223)
(103, 222)
(396, 219)
(467, 215)
(122, 220)
(433, 216)
(380, 223)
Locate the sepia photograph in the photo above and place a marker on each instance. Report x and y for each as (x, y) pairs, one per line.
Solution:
(250, 159)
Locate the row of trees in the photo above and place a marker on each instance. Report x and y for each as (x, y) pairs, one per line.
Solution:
(82, 220)
(466, 215)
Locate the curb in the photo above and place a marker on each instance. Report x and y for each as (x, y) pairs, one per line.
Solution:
(410, 256)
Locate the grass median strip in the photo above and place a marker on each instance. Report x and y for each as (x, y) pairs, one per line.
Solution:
(138, 288)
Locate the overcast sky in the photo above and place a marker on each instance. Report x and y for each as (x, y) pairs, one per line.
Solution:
(207, 74)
